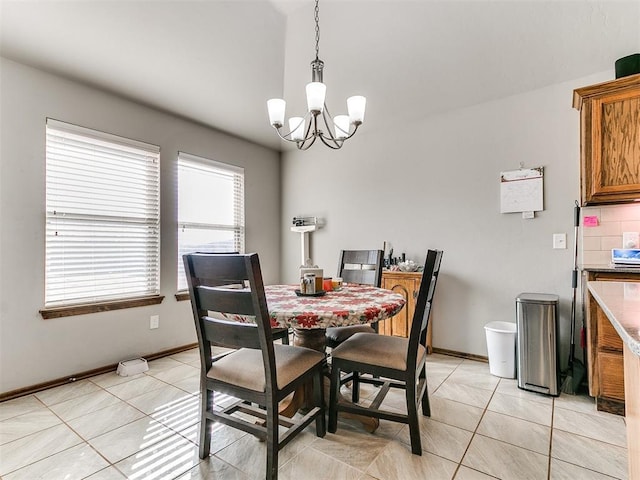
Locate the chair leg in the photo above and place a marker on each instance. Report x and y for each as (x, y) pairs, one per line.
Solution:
(206, 404)
(334, 389)
(285, 339)
(412, 413)
(318, 401)
(426, 406)
(272, 441)
(355, 386)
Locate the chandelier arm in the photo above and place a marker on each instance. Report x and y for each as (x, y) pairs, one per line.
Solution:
(335, 145)
(286, 135)
(308, 135)
(302, 146)
(355, 129)
(337, 142)
(283, 137)
(327, 124)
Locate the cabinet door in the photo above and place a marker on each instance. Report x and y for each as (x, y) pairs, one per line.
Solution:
(608, 338)
(611, 147)
(399, 324)
(611, 372)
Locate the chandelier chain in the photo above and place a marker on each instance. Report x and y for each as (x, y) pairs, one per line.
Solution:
(317, 19)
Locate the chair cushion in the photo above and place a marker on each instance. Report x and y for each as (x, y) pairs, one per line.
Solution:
(340, 334)
(374, 349)
(245, 368)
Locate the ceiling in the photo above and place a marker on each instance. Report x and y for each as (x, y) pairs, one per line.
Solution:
(217, 62)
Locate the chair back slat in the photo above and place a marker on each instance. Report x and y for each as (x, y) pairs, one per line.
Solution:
(424, 303)
(225, 300)
(362, 277)
(226, 269)
(361, 266)
(230, 334)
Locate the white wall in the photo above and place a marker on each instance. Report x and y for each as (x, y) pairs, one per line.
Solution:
(33, 350)
(434, 183)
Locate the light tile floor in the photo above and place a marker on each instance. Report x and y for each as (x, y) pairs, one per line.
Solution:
(145, 427)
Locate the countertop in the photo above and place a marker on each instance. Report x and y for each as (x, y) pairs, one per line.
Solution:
(610, 268)
(620, 301)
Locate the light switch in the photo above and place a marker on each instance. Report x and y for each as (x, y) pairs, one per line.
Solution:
(560, 240)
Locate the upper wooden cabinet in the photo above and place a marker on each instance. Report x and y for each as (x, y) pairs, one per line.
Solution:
(609, 141)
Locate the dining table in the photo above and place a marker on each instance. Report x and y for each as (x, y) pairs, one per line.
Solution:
(310, 315)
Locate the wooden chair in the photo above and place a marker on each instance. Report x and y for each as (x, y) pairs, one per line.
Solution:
(258, 372)
(356, 266)
(399, 363)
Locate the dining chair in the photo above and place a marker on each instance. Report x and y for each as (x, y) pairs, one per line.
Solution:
(365, 268)
(258, 372)
(398, 362)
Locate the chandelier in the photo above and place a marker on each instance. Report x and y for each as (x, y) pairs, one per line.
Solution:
(305, 130)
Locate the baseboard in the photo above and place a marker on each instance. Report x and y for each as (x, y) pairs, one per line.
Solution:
(86, 374)
(468, 356)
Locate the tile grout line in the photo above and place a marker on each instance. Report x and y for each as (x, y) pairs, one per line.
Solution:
(486, 407)
(553, 415)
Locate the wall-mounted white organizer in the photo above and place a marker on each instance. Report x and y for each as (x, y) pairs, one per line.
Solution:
(521, 190)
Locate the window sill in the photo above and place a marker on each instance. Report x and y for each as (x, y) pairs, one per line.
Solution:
(182, 296)
(68, 311)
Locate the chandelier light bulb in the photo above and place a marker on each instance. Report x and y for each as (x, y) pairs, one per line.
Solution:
(356, 106)
(276, 107)
(296, 127)
(342, 126)
(316, 92)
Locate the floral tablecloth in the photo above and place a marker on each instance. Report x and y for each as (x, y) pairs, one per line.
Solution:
(353, 304)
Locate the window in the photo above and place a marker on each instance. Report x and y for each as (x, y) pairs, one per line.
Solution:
(210, 208)
(102, 217)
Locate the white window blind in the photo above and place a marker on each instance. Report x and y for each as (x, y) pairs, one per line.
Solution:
(102, 217)
(210, 208)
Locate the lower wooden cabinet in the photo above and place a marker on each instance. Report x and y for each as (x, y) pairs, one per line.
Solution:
(605, 365)
(408, 285)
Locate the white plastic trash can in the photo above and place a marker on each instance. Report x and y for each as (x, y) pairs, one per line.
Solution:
(501, 346)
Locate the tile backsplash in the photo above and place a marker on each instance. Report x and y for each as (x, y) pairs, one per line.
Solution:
(613, 221)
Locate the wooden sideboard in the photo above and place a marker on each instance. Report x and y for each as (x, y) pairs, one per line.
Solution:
(605, 365)
(408, 285)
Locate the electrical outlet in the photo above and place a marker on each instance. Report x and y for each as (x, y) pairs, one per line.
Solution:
(154, 321)
(630, 240)
(560, 240)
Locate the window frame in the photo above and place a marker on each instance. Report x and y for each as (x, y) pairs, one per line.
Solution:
(56, 131)
(239, 225)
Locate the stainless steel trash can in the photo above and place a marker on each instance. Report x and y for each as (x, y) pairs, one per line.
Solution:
(538, 365)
